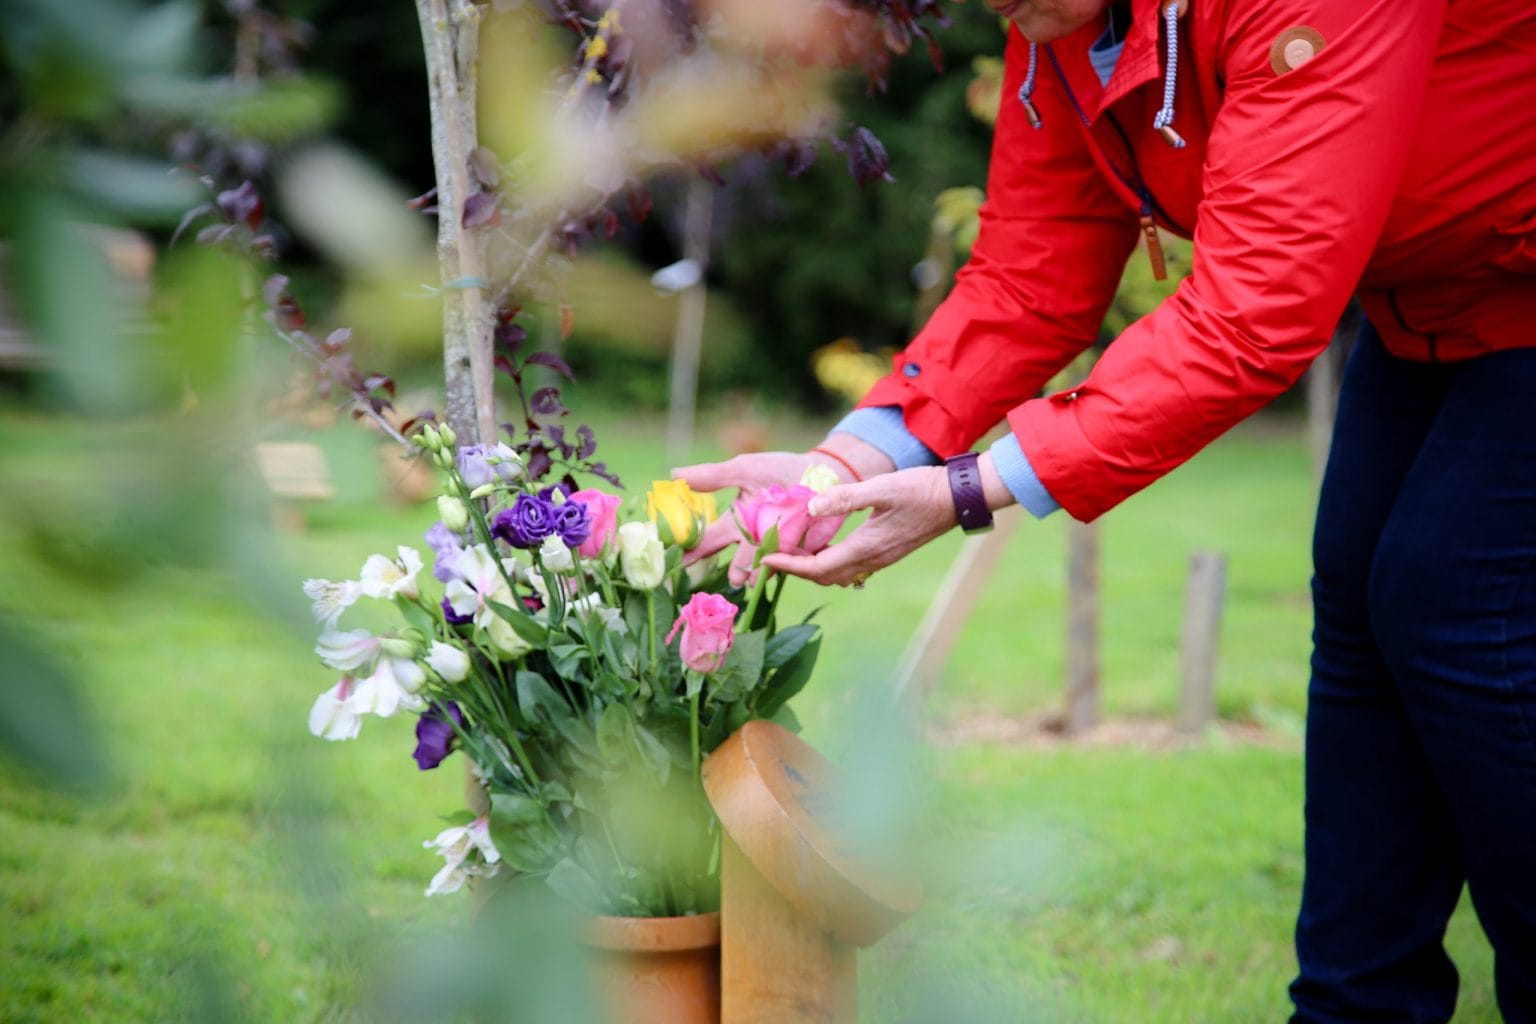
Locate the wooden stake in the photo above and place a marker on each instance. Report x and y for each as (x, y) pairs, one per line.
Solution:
(1082, 658)
(1202, 635)
(688, 338)
(951, 605)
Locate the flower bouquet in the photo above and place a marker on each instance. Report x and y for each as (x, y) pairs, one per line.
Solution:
(579, 664)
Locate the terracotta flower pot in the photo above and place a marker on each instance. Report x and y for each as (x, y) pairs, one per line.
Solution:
(658, 970)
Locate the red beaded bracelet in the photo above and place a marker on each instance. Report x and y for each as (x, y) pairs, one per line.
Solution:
(840, 460)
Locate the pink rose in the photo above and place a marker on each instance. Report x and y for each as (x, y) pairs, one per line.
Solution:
(604, 510)
(708, 625)
(800, 533)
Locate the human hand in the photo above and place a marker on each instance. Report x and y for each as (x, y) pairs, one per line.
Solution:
(910, 508)
(757, 471)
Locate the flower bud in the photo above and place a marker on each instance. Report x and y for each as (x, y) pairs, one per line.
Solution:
(396, 647)
(428, 438)
(448, 661)
(449, 438)
(483, 490)
(453, 513)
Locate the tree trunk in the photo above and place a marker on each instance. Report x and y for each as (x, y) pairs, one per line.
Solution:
(450, 38)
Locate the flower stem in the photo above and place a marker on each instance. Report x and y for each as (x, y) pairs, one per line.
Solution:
(693, 735)
(757, 596)
(650, 615)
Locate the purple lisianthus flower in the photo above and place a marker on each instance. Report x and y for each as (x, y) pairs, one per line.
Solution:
(477, 471)
(435, 735)
(573, 523)
(452, 617)
(526, 523)
(446, 545)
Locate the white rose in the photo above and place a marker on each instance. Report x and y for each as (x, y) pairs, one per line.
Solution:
(641, 555)
(556, 556)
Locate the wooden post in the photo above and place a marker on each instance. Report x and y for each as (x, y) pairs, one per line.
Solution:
(1202, 634)
(688, 337)
(951, 605)
(1082, 658)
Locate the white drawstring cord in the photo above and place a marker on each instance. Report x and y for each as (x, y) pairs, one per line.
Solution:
(1027, 90)
(1163, 122)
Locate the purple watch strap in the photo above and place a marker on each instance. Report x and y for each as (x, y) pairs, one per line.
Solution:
(966, 490)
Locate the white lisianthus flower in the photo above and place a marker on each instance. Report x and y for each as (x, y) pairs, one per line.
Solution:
(331, 599)
(611, 618)
(819, 477)
(453, 513)
(641, 555)
(386, 579)
(556, 555)
(331, 718)
(393, 686)
(467, 852)
(347, 651)
(448, 661)
(479, 582)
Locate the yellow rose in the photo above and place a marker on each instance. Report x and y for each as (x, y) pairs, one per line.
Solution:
(679, 512)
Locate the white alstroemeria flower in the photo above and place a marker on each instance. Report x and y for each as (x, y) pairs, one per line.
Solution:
(556, 555)
(819, 477)
(467, 852)
(331, 599)
(641, 555)
(386, 578)
(480, 582)
(331, 718)
(611, 618)
(448, 661)
(393, 686)
(347, 651)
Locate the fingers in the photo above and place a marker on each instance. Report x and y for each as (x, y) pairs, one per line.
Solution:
(718, 536)
(740, 572)
(847, 498)
(755, 469)
(710, 476)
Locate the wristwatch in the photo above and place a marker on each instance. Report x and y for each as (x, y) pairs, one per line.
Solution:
(966, 490)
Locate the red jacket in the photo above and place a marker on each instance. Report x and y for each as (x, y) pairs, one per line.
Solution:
(1399, 161)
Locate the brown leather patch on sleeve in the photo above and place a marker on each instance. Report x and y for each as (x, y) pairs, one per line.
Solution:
(1294, 47)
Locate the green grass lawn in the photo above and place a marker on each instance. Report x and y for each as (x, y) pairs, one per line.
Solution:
(239, 869)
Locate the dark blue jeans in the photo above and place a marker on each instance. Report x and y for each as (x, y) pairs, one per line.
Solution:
(1421, 719)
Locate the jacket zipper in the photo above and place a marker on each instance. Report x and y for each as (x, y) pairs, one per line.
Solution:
(1150, 210)
(1429, 339)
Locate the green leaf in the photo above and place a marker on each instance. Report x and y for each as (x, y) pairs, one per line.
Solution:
(769, 544)
(743, 668)
(522, 833)
(615, 729)
(653, 754)
(789, 680)
(566, 658)
(43, 725)
(538, 701)
(523, 624)
(571, 883)
(416, 617)
(785, 644)
(787, 718)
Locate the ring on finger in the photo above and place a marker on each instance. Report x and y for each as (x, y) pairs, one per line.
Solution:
(859, 580)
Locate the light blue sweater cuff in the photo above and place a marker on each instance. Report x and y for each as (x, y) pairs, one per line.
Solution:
(1013, 466)
(883, 427)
